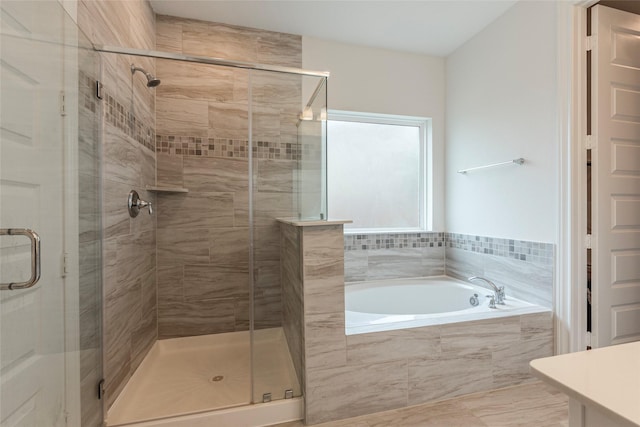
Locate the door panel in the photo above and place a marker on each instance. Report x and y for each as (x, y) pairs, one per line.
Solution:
(32, 339)
(616, 176)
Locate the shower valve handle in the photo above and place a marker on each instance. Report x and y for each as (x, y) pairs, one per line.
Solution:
(135, 203)
(142, 204)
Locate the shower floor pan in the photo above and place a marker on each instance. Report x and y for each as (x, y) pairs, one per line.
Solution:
(205, 373)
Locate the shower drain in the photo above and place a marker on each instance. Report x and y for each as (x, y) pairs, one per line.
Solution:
(217, 378)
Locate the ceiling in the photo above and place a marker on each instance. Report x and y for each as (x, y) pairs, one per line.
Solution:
(430, 27)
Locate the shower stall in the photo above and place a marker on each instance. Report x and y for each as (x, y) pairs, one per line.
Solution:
(180, 309)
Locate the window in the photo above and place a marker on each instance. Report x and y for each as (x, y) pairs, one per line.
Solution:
(377, 171)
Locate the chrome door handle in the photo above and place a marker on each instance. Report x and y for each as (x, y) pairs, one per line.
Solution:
(35, 257)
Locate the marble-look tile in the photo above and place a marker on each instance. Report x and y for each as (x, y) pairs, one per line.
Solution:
(110, 265)
(188, 80)
(447, 375)
(519, 406)
(324, 296)
(219, 41)
(396, 263)
(325, 341)
(136, 255)
(229, 120)
(142, 338)
(207, 282)
(521, 279)
(142, 32)
(207, 174)
(355, 266)
(433, 261)
(350, 391)
(195, 209)
(487, 334)
(290, 255)
(242, 313)
(90, 227)
(202, 317)
(148, 293)
(463, 264)
(187, 117)
(450, 413)
(274, 176)
(510, 363)
(537, 326)
(269, 206)
(168, 34)
(177, 247)
(121, 312)
(121, 158)
(170, 282)
(229, 247)
(267, 294)
(322, 249)
(265, 123)
(281, 90)
(393, 345)
(280, 48)
(169, 170)
(266, 243)
(241, 208)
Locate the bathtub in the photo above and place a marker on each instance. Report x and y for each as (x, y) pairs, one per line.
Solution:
(384, 305)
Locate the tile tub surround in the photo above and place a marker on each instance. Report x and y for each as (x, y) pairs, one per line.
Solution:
(393, 255)
(128, 162)
(525, 268)
(394, 369)
(202, 116)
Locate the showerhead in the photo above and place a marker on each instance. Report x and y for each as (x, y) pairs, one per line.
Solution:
(152, 81)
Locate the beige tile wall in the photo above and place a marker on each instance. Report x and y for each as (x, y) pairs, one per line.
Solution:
(202, 116)
(129, 261)
(345, 376)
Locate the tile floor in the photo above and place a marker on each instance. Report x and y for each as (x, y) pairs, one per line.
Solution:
(530, 405)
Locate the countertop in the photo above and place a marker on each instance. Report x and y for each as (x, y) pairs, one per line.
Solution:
(606, 378)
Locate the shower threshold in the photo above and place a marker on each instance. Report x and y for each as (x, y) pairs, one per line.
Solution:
(193, 378)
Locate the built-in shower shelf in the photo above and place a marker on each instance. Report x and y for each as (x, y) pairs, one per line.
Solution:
(167, 189)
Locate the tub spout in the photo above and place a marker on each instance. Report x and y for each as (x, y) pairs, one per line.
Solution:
(498, 291)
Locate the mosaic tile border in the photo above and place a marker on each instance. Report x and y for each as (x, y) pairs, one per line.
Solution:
(180, 145)
(86, 85)
(541, 253)
(122, 118)
(523, 250)
(357, 242)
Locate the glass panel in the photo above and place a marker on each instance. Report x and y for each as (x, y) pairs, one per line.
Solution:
(312, 141)
(50, 340)
(81, 97)
(276, 104)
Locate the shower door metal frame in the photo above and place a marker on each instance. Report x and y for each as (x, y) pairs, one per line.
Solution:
(210, 60)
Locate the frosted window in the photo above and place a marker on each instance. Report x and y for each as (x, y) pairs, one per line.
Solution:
(376, 174)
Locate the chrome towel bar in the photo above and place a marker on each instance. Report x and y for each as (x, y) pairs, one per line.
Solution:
(519, 161)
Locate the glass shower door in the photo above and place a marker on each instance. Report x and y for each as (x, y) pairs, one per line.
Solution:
(39, 241)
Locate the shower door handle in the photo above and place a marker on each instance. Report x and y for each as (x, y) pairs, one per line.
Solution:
(35, 257)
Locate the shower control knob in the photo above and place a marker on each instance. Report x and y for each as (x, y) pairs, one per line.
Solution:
(135, 203)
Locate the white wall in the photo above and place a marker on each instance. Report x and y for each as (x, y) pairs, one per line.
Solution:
(375, 80)
(501, 105)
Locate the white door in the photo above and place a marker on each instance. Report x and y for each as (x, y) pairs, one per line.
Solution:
(32, 347)
(615, 117)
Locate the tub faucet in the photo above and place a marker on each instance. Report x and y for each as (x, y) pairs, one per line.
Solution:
(498, 291)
